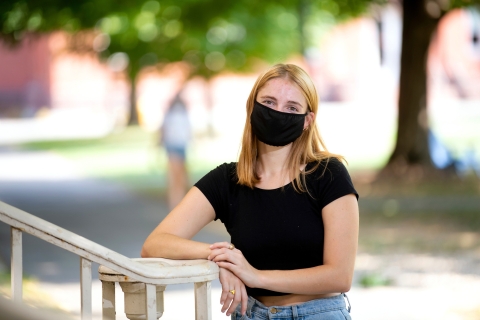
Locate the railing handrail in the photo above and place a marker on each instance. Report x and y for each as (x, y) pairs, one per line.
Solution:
(92, 251)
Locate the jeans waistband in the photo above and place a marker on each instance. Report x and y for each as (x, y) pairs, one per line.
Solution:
(310, 307)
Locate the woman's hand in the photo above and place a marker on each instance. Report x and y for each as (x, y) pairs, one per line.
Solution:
(228, 300)
(234, 261)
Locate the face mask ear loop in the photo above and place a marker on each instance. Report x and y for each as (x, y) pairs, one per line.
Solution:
(306, 115)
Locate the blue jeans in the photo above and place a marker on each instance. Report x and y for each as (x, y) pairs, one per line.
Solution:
(332, 308)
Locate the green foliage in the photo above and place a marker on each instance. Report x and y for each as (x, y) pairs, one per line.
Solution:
(374, 280)
(210, 35)
(448, 5)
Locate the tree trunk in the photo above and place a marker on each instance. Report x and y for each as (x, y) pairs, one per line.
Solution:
(133, 116)
(302, 14)
(411, 149)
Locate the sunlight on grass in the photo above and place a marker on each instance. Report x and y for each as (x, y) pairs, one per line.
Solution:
(32, 295)
(133, 158)
(125, 153)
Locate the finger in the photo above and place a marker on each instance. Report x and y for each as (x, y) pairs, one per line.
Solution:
(217, 245)
(225, 300)
(217, 252)
(229, 266)
(222, 257)
(226, 265)
(228, 301)
(227, 257)
(244, 300)
(237, 298)
(232, 253)
(224, 294)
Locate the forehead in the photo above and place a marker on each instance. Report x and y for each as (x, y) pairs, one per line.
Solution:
(283, 89)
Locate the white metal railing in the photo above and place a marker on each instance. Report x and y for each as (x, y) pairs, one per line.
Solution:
(151, 275)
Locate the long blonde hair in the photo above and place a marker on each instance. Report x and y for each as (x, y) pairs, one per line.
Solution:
(309, 147)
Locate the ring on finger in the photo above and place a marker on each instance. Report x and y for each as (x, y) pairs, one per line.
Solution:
(231, 246)
(232, 291)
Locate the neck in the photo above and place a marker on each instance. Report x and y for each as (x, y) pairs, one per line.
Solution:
(271, 160)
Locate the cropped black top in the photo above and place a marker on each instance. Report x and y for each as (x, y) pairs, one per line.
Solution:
(278, 229)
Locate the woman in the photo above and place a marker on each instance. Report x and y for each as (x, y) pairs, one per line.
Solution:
(289, 206)
(174, 137)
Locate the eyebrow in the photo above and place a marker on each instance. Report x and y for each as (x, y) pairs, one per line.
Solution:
(289, 101)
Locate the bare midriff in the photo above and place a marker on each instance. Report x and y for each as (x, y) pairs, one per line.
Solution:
(291, 299)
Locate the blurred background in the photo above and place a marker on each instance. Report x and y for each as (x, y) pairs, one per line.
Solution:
(111, 110)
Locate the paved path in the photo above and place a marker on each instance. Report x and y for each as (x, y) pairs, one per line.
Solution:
(51, 188)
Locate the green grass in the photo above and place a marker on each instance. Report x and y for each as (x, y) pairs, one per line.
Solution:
(435, 217)
(374, 280)
(131, 157)
(130, 152)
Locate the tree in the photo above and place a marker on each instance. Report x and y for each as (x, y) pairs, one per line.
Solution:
(213, 35)
(411, 153)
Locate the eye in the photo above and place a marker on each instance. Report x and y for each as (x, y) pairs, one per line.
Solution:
(292, 108)
(267, 102)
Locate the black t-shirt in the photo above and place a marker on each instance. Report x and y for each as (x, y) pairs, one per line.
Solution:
(277, 229)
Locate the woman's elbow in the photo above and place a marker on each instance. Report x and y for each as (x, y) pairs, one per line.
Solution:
(345, 283)
(345, 287)
(148, 249)
(144, 253)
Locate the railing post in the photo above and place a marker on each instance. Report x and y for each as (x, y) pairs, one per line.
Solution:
(151, 301)
(86, 288)
(108, 300)
(203, 309)
(16, 264)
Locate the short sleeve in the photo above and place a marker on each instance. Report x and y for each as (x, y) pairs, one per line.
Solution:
(215, 186)
(336, 182)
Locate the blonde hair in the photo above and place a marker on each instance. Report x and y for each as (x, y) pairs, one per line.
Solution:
(309, 147)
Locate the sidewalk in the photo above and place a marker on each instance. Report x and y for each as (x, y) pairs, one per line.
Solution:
(57, 124)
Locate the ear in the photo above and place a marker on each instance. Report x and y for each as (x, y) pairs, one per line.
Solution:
(309, 119)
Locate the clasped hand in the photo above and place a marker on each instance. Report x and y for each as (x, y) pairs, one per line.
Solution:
(235, 273)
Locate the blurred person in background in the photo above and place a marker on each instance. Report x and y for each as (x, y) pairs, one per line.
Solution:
(175, 134)
(288, 204)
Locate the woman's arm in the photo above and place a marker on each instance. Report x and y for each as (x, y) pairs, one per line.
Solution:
(171, 238)
(340, 220)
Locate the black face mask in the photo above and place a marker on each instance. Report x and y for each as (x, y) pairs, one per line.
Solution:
(276, 128)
